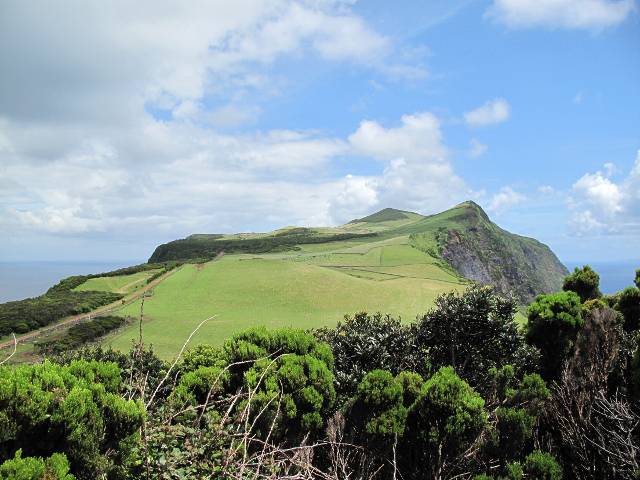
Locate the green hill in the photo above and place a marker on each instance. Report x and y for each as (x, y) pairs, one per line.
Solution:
(386, 215)
(305, 291)
(392, 261)
(462, 239)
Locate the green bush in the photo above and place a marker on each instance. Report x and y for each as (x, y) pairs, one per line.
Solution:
(542, 466)
(444, 421)
(472, 331)
(629, 306)
(380, 403)
(583, 281)
(288, 371)
(363, 343)
(554, 322)
(75, 409)
(55, 467)
(81, 333)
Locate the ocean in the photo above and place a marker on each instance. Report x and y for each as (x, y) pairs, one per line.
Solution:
(20, 280)
(614, 276)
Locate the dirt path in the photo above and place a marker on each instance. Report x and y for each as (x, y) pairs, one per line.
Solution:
(124, 288)
(112, 307)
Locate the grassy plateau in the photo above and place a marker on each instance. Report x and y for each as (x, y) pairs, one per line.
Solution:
(304, 290)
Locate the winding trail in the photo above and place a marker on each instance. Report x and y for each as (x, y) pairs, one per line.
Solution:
(72, 320)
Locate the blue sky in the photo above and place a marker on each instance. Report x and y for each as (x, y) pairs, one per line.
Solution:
(123, 127)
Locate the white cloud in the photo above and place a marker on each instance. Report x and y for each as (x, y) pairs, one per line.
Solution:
(418, 136)
(417, 173)
(110, 119)
(166, 54)
(599, 204)
(189, 178)
(355, 196)
(505, 199)
(569, 14)
(477, 148)
(494, 111)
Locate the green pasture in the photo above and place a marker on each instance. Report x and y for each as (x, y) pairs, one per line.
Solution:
(244, 291)
(120, 284)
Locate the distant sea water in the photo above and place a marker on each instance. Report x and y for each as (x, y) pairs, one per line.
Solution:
(614, 276)
(20, 280)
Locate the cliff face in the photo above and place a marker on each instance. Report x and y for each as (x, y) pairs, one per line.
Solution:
(480, 250)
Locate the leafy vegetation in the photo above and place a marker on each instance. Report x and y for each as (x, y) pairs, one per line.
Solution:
(71, 296)
(32, 313)
(55, 467)
(203, 248)
(583, 281)
(80, 333)
(462, 393)
(246, 291)
(74, 409)
(554, 323)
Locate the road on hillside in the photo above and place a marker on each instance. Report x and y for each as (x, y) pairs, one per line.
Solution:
(128, 299)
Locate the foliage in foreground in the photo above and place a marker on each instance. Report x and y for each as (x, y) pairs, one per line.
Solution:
(461, 393)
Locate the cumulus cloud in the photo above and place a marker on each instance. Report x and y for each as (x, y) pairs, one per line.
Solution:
(417, 173)
(418, 136)
(492, 112)
(114, 118)
(599, 204)
(505, 199)
(569, 14)
(477, 149)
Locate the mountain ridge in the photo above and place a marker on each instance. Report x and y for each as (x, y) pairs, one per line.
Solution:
(463, 237)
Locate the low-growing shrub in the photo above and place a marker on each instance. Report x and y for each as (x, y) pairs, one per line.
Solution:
(81, 333)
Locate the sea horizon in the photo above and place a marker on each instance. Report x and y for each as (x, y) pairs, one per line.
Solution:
(27, 279)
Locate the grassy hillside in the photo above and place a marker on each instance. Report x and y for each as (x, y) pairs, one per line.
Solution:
(387, 215)
(307, 290)
(119, 284)
(392, 261)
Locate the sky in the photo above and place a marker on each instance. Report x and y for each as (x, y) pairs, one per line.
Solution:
(124, 125)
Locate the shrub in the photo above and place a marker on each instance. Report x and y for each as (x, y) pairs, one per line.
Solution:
(542, 466)
(74, 408)
(629, 306)
(363, 343)
(554, 322)
(55, 467)
(80, 334)
(583, 281)
(444, 421)
(473, 332)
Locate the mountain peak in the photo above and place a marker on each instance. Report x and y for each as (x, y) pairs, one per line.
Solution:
(384, 215)
(473, 209)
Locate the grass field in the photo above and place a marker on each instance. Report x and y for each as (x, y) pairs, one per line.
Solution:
(393, 265)
(120, 284)
(276, 291)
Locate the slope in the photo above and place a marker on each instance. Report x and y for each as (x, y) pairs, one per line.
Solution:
(462, 238)
(248, 290)
(479, 250)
